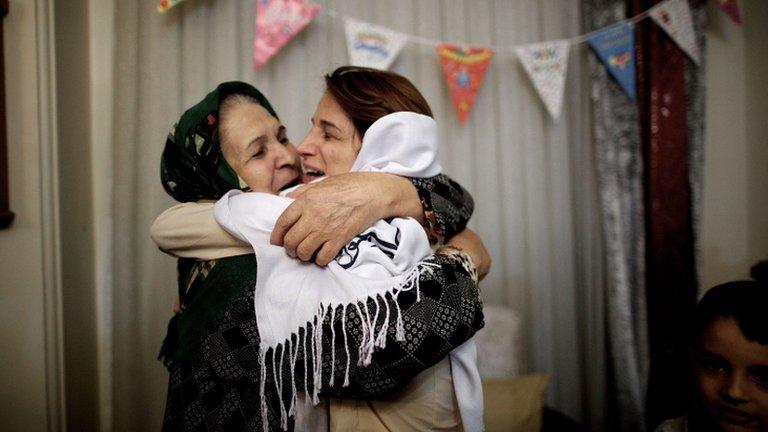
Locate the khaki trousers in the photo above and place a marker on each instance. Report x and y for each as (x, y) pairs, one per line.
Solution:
(427, 403)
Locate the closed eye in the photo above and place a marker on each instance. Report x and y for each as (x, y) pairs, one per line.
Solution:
(259, 153)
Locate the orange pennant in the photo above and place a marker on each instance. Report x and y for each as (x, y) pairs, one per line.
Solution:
(464, 69)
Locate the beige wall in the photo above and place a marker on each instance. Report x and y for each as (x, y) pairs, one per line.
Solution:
(735, 202)
(22, 304)
(76, 214)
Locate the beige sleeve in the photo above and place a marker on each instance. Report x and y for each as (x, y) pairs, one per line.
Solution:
(189, 230)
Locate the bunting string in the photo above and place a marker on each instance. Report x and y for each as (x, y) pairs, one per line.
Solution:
(511, 49)
(464, 64)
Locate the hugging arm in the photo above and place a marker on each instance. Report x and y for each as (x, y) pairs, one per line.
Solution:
(189, 230)
(446, 206)
(329, 214)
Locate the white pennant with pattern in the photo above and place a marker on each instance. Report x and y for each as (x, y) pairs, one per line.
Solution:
(674, 16)
(546, 64)
(372, 46)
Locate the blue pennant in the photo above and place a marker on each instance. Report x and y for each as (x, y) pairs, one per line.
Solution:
(615, 46)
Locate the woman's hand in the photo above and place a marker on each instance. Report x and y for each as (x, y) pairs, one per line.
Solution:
(329, 214)
(468, 242)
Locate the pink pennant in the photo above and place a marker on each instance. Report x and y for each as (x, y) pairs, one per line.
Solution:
(277, 22)
(464, 69)
(731, 8)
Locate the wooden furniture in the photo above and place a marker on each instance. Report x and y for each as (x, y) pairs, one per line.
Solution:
(6, 216)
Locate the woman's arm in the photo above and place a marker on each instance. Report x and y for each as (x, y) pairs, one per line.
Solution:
(446, 205)
(328, 214)
(188, 230)
(345, 206)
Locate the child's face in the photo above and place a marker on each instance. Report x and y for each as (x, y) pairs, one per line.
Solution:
(255, 145)
(732, 375)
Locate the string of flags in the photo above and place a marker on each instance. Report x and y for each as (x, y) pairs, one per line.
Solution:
(464, 65)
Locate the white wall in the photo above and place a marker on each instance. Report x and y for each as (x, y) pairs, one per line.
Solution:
(25, 375)
(735, 202)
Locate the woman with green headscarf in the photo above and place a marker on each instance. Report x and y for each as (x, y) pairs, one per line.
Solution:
(211, 348)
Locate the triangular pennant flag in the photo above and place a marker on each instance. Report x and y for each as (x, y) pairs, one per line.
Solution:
(164, 5)
(277, 22)
(546, 64)
(464, 69)
(674, 16)
(372, 46)
(615, 46)
(731, 8)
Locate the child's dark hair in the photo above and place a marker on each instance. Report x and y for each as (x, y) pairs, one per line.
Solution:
(746, 302)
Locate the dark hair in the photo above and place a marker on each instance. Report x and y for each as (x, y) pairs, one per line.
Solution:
(367, 94)
(746, 302)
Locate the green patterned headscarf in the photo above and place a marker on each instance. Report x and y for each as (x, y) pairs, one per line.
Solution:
(192, 166)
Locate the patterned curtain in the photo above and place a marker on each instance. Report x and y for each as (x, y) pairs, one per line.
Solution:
(649, 158)
(619, 160)
(670, 94)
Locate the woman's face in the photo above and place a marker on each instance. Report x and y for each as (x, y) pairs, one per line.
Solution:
(332, 144)
(732, 374)
(255, 145)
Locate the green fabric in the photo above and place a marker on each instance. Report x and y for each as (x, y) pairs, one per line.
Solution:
(227, 280)
(192, 166)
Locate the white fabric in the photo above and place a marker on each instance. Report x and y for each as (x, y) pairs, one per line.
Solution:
(402, 143)
(532, 180)
(293, 296)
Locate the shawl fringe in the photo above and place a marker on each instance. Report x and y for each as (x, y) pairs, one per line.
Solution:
(308, 339)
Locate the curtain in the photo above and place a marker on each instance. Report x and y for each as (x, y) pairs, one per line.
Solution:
(532, 178)
(620, 169)
(670, 99)
(649, 158)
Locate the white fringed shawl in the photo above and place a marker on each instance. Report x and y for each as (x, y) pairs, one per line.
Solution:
(293, 298)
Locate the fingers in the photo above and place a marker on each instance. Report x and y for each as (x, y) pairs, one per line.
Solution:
(290, 216)
(306, 250)
(297, 233)
(328, 252)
